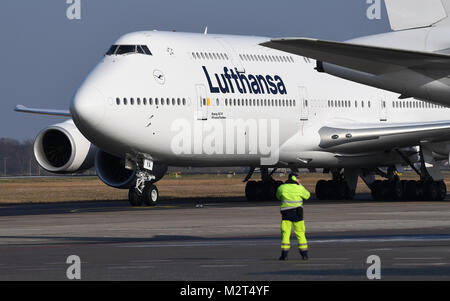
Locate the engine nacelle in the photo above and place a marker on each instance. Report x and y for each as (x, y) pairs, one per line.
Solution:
(61, 148)
(111, 170)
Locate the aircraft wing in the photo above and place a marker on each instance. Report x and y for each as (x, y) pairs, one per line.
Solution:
(23, 109)
(353, 138)
(369, 59)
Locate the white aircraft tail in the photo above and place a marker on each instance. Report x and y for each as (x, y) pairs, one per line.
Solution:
(409, 14)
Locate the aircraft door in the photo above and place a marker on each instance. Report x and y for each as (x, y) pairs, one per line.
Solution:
(303, 102)
(382, 105)
(202, 102)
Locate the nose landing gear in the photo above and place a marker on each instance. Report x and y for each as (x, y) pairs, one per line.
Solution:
(144, 192)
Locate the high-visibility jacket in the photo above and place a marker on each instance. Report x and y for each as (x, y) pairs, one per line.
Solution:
(292, 196)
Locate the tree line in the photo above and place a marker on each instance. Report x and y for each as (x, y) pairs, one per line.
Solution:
(17, 159)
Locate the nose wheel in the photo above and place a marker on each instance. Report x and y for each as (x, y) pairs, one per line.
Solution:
(149, 196)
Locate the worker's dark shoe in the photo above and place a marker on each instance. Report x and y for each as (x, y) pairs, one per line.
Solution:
(304, 255)
(284, 255)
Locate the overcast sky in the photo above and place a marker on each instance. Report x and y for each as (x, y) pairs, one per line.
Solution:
(44, 56)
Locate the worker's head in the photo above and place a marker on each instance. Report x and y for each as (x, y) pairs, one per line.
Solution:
(293, 177)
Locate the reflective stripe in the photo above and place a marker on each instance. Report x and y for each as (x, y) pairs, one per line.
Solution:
(288, 208)
(292, 202)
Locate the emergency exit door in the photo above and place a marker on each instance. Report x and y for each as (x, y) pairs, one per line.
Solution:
(304, 110)
(202, 102)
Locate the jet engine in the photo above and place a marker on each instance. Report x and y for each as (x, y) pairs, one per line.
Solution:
(111, 170)
(61, 148)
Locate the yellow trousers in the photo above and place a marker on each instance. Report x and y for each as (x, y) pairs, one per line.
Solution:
(299, 229)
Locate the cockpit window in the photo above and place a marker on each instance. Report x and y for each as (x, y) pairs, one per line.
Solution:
(128, 49)
(112, 50)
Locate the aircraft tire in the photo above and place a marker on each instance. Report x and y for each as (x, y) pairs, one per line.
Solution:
(150, 195)
(134, 197)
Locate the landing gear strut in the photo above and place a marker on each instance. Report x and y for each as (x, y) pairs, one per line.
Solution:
(144, 192)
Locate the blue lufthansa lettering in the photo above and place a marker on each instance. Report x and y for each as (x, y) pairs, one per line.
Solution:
(253, 84)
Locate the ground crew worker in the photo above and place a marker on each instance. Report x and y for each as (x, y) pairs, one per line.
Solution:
(291, 194)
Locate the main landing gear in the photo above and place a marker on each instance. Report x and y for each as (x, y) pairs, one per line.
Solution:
(264, 190)
(430, 187)
(426, 190)
(335, 189)
(144, 192)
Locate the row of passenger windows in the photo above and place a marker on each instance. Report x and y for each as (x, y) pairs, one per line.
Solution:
(254, 102)
(395, 104)
(209, 56)
(151, 101)
(415, 105)
(346, 104)
(266, 58)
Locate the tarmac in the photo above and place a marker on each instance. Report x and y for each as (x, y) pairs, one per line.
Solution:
(224, 239)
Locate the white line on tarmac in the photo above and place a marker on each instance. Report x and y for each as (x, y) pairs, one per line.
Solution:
(223, 266)
(421, 264)
(271, 242)
(318, 264)
(418, 258)
(382, 249)
(131, 267)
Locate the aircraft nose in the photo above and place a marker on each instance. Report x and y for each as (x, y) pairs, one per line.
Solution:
(88, 106)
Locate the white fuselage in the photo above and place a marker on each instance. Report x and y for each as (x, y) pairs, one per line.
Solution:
(199, 76)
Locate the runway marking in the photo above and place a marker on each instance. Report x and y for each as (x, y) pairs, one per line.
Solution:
(418, 258)
(223, 266)
(331, 258)
(131, 267)
(39, 269)
(318, 264)
(421, 264)
(149, 261)
(207, 243)
(84, 210)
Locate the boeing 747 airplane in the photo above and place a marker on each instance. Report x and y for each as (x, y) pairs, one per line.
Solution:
(159, 99)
